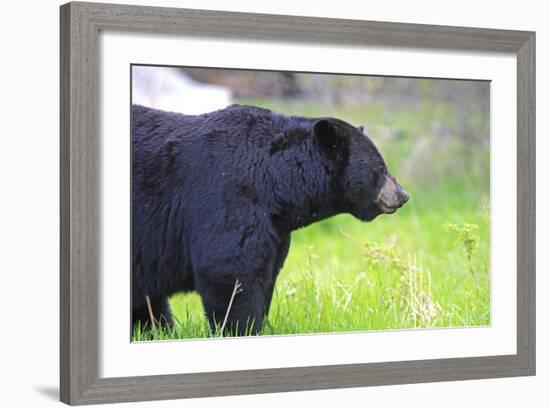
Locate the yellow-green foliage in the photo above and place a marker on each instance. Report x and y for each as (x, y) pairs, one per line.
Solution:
(467, 237)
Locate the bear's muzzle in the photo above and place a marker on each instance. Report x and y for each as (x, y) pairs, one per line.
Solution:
(391, 195)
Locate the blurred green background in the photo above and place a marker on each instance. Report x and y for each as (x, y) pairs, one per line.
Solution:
(428, 265)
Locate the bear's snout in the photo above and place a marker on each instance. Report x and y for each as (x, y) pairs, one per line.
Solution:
(391, 196)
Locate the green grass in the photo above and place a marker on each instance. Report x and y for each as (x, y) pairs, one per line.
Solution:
(398, 272)
(401, 271)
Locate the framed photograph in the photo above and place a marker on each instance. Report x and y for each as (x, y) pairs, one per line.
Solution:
(261, 203)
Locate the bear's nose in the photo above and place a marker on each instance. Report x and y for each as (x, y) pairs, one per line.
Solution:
(403, 196)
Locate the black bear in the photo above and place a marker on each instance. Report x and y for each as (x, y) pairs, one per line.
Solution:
(216, 196)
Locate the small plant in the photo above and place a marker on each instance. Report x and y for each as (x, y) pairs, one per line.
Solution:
(467, 237)
(415, 290)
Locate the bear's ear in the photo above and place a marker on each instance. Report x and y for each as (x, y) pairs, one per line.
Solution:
(330, 141)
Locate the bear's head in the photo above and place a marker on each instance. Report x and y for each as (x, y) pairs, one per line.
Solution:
(358, 172)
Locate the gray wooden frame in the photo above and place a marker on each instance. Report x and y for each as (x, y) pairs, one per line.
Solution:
(80, 234)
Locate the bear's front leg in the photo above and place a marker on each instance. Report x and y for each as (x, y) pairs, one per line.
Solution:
(235, 309)
(243, 252)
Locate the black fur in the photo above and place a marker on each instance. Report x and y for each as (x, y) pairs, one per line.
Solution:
(216, 196)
